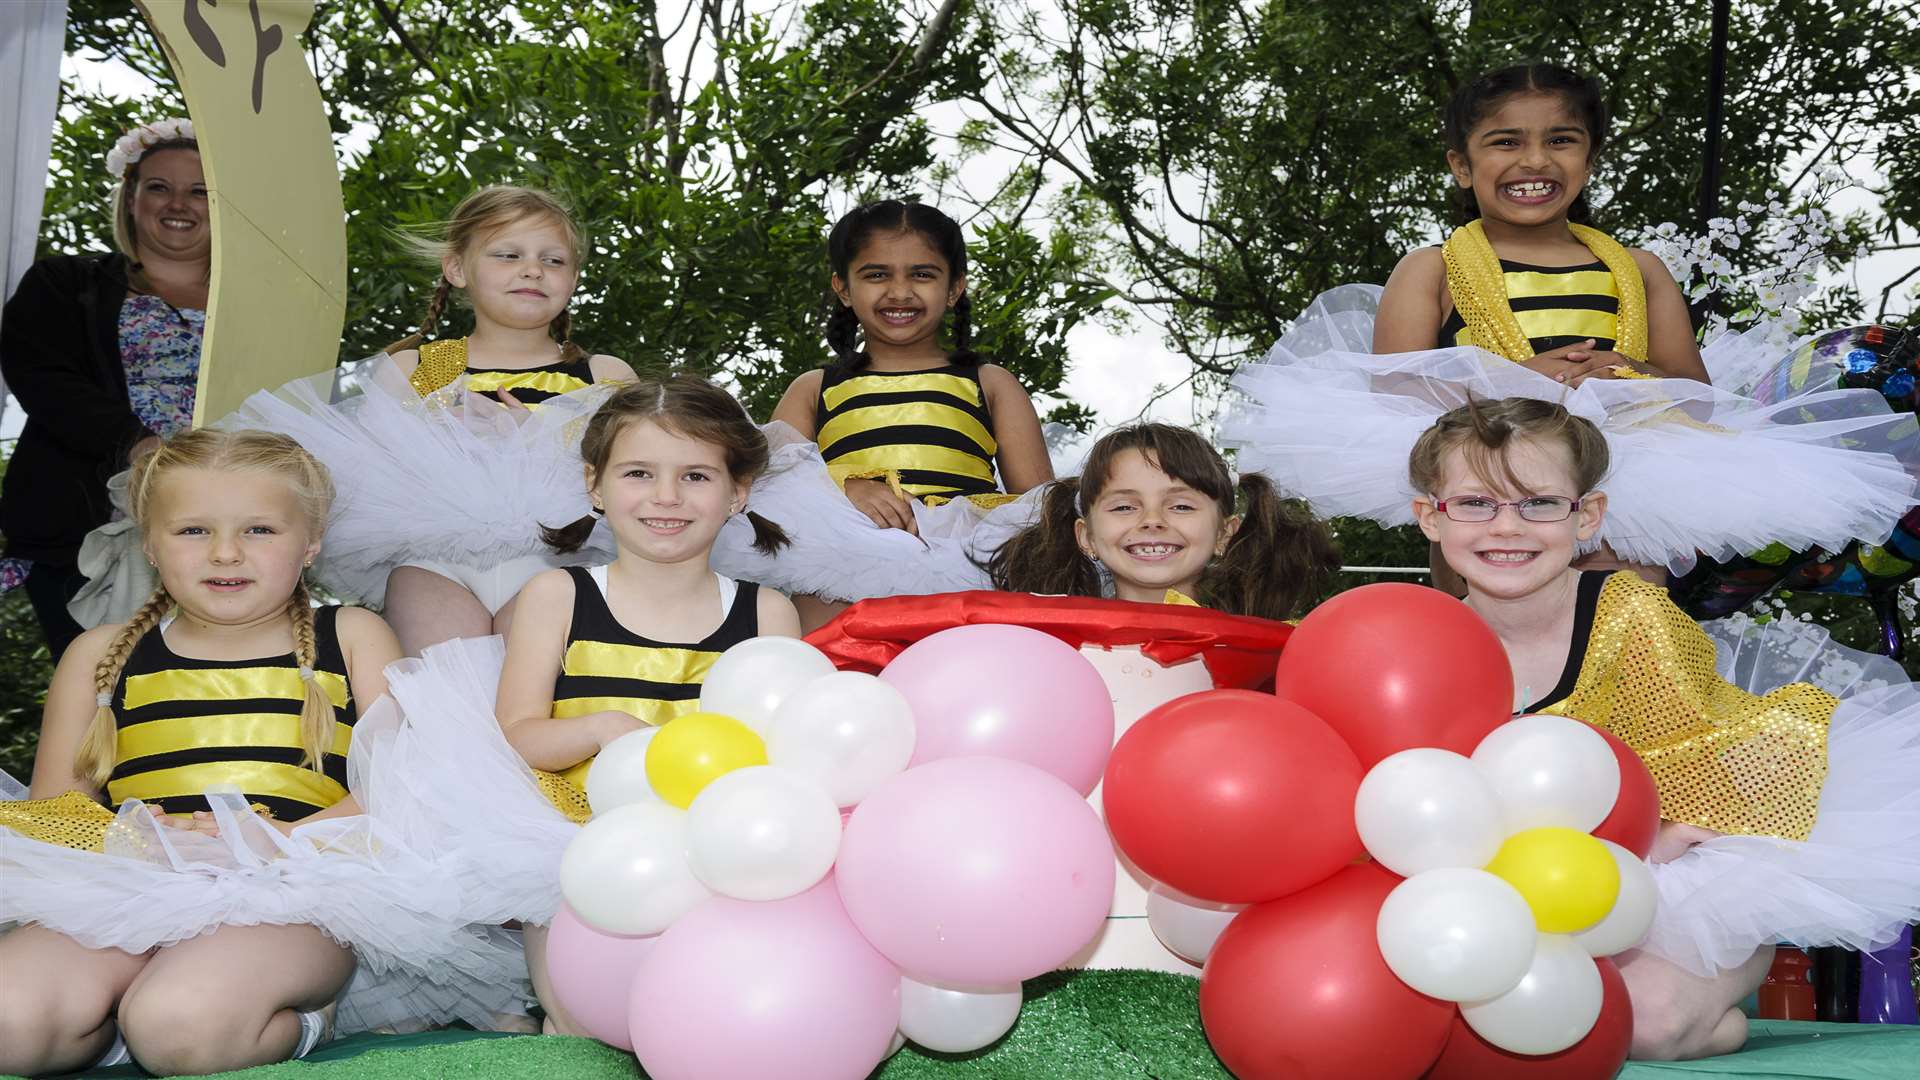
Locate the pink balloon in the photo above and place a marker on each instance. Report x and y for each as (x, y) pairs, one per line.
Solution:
(1009, 692)
(740, 989)
(592, 972)
(976, 871)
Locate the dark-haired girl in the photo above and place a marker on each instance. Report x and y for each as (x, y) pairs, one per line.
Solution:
(902, 420)
(1525, 300)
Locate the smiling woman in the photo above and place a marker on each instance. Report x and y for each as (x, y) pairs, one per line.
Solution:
(104, 352)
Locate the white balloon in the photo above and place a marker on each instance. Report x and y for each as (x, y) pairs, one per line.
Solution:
(626, 871)
(847, 730)
(618, 775)
(762, 833)
(1632, 913)
(749, 681)
(1456, 934)
(1424, 809)
(1550, 770)
(1188, 927)
(1554, 1006)
(955, 1021)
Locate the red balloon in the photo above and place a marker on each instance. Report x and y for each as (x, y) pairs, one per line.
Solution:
(1393, 666)
(1596, 1057)
(1233, 796)
(1635, 819)
(1296, 988)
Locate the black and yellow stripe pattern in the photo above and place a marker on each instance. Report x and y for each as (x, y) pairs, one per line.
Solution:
(441, 362)
(933, 428)
(1556, 306)
(186, 724)
(608, 668)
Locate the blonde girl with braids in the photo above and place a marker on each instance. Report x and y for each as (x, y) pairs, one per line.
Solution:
(220, 719)
(444, 467)
(1525, 299)
(902, 423)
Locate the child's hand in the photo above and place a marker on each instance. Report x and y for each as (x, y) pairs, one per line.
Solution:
(1674, 838)
(201, 821)
(877, 500)
(515, 407)
(611, 724)
(1606, 364)
(1560, 364)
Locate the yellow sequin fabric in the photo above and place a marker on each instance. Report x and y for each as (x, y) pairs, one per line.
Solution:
(566, 798)
(441, 362)
(1722, 758)
(1478, 285)
(70, 820)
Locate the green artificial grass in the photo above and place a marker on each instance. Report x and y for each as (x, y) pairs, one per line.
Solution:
(1093, 1025)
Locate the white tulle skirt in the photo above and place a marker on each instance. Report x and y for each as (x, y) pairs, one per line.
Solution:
(1856, 878)
(449, 481)
(448, 782)
(838, 553)
(1696, 468)
(419, 963)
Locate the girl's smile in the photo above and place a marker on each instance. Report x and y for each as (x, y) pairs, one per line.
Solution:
(1526, 161)
(899, 287)
(1151, 530)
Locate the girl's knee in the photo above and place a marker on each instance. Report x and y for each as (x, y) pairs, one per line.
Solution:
(42, 1031)
(181, 1031)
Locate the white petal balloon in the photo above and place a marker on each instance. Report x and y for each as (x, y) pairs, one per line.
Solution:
(1550, 770)
(762, 833)
(956, 1021)
(847, 730)
(1424, 809)
(626, 871)
(1633, 909)
(1186, 926)
(1456, 934)
(618, 775)
(1554, 1006)
(749, 681)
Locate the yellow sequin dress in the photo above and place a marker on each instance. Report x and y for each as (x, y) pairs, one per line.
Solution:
(1722, 469)
(1816, 786)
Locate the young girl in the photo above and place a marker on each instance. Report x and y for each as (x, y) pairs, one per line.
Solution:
(439, 502)
(1525, 300)
(213, 924)
(901, 425)
(593, 654)
(1151, 518)
(1791, 815)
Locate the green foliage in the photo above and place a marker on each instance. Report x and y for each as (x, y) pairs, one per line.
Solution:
(25, 670)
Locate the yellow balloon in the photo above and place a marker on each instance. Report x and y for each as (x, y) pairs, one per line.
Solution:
(1567, 877)
(691, 750)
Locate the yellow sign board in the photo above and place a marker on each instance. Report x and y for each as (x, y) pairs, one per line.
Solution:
(278, 296)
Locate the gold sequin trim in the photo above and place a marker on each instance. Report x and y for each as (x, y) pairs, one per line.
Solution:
(1722, 758)
(441, 362)
(1480, 292)
(566, 798)
(70, 820)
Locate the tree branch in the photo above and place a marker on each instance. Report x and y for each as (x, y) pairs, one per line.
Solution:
(388, 16)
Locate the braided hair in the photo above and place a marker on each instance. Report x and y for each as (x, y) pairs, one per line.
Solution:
(850, 236)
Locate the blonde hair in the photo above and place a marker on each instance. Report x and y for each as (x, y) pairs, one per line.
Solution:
(126, 236)
(1486, 430)
(479, 215)
(252, 451)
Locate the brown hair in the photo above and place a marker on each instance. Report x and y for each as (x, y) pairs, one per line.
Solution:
(126, 235)
(478, 216)
(1275, 562)
(256, 451)
(1485, 431)
(686, 405)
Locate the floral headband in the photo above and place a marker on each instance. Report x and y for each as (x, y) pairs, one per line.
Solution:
(135, 144)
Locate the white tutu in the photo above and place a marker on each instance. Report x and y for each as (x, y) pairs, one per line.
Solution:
(837, 552)
(419, 963)
(1856, 879)
(450, 478)
(447, 781)
(1696, 468)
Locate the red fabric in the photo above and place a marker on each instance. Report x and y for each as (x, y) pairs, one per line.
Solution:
(1239, 650)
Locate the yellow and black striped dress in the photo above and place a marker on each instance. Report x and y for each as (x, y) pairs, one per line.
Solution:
(609, 668)
(441, 362)
(931, 427)
(186, 724)
(1556, 306)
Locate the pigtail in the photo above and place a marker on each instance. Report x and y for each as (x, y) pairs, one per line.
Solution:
(316, 712)
(768, 537)
(1276, 562)
(1045, 557)
(571, 537)
(963, 353)
(429, 322)
(843, 336)
(94, 761)
(562, 329)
